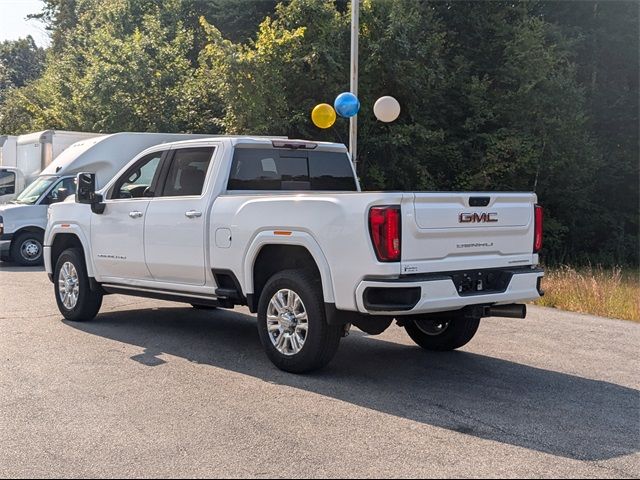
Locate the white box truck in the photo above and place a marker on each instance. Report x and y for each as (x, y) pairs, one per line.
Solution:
(8, 150)
(23, 157)
(23, 220)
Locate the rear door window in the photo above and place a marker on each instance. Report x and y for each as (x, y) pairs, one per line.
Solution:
(272, 169)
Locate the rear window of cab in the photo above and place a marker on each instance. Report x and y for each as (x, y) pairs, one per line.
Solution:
(273, 169)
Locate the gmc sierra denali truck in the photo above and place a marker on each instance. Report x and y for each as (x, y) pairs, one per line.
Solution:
(281, 226)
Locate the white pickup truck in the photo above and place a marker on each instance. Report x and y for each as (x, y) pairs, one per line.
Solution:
(281, 226)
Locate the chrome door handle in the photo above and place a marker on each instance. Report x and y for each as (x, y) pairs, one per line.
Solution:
(135, 214)
(192, 214)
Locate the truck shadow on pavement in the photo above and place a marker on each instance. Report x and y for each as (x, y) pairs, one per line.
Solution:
(473, 394)
(15, 268)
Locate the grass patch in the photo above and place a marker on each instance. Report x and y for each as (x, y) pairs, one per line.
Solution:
(607, 292)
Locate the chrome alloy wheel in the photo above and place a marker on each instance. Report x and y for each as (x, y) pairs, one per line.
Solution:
(432, 327)
(68, 286)
(31, 250)
(287, 322)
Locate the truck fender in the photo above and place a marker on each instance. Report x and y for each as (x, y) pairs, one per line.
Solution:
(73, 229)
(298, 238)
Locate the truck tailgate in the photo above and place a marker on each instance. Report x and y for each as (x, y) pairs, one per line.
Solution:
(465, 231)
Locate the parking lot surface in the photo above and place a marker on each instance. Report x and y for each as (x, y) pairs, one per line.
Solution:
(158, 389)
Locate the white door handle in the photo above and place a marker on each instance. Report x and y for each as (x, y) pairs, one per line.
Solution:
(192, 214)
(135, 214)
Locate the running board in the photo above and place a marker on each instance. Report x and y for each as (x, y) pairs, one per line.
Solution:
(171, 296)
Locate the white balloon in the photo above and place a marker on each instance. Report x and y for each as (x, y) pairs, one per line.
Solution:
(386, 109)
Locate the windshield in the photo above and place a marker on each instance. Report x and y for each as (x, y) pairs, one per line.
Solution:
(32, 193)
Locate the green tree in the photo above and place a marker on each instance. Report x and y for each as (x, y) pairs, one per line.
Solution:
(125, 66)
(237, 20)
(270, 84)
(21, 62)
(605, 40)
(134, 72)
(60, 18)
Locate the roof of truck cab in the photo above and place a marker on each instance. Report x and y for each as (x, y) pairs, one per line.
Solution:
(257, 141)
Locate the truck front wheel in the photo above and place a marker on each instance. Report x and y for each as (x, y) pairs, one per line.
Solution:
(442, 335)
(76, 301)
(292, 323)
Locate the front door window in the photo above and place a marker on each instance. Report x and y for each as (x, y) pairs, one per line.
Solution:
(138, 180)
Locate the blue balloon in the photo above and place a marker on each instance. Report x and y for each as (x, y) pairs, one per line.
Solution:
(347, 104)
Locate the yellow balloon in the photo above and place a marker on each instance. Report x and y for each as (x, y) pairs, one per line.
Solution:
(323, 115)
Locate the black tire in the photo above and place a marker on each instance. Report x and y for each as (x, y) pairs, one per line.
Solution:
(458, 333)
(321, 339)
(26, 249)
(203, 307)
(89, 301)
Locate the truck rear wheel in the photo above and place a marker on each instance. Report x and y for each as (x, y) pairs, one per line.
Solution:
(292, 323)
(76, 301)
(442, 335)
(26, 249)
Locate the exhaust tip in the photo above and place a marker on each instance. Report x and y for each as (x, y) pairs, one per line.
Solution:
(514, 310)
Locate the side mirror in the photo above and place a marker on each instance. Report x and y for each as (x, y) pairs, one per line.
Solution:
(86, 192)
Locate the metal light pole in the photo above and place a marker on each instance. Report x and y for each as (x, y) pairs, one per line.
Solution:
(353, 121)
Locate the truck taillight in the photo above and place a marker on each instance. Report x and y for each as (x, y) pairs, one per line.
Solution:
(537, 236)
(384, 225)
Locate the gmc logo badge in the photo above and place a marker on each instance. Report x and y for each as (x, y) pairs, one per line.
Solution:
(478, 217)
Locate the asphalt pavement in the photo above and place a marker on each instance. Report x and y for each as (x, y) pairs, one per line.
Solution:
(158, 389)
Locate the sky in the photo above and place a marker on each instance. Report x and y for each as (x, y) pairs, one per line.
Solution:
(14, 24)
